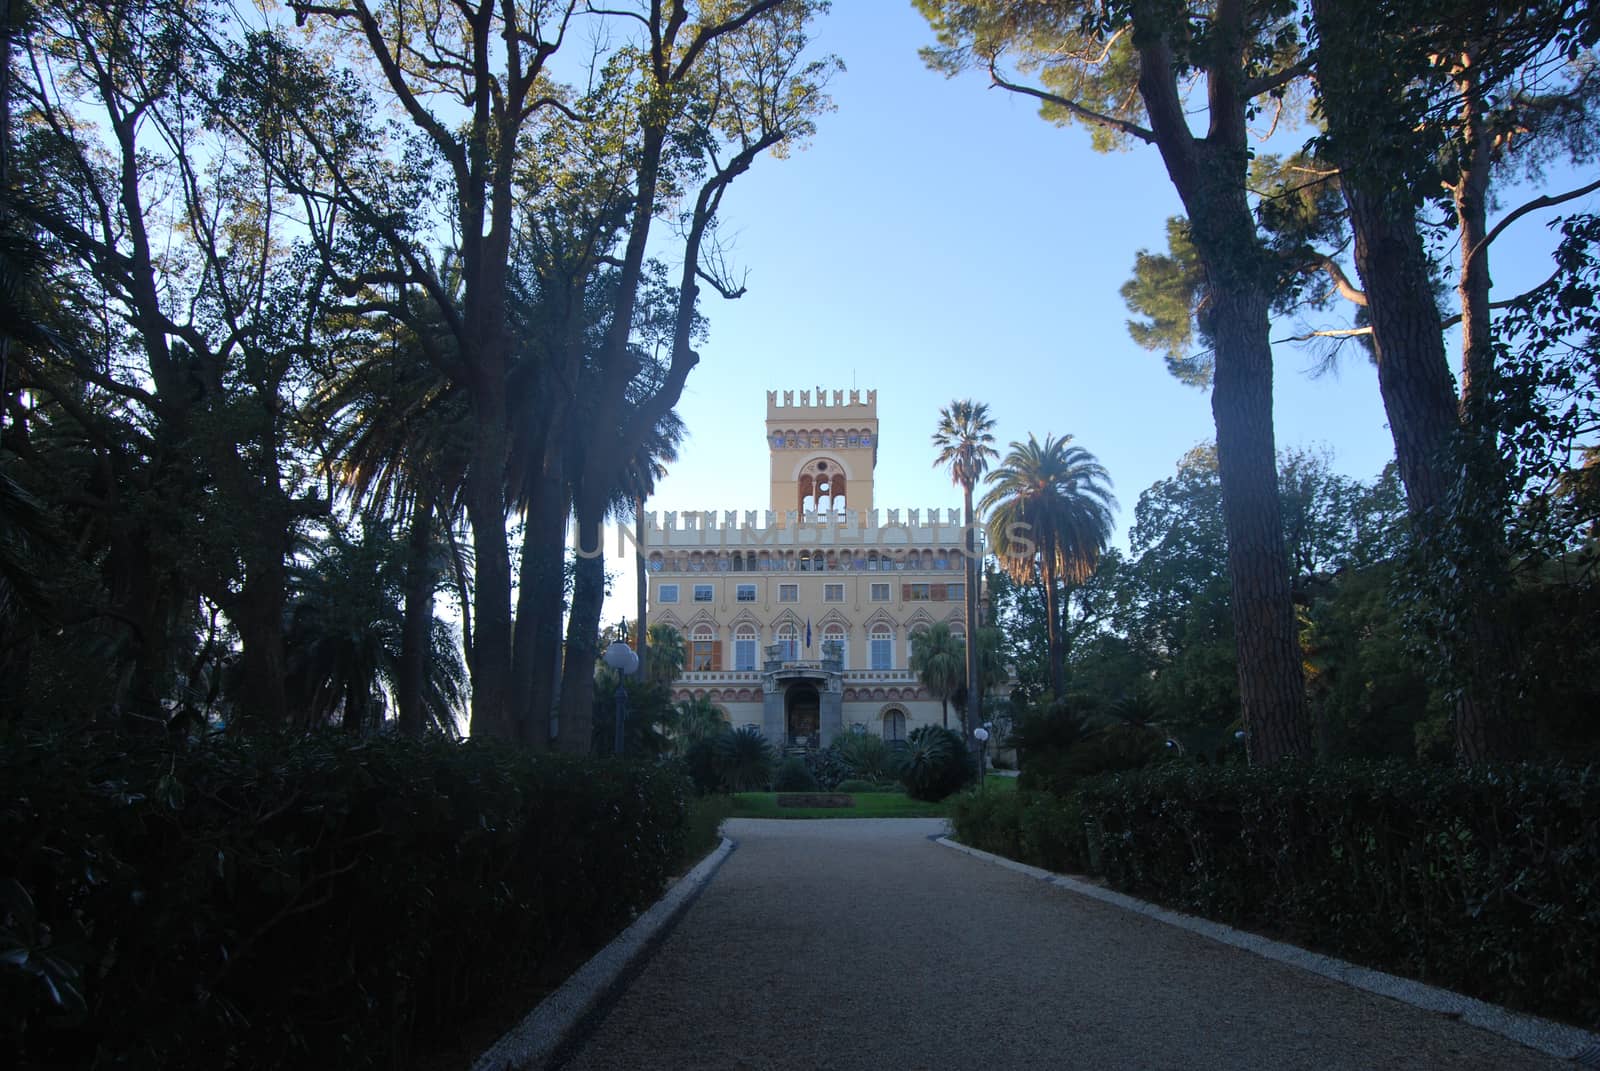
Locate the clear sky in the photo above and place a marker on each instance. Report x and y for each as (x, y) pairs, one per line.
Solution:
(939, 240)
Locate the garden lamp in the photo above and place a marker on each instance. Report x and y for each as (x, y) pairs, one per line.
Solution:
(620, 657)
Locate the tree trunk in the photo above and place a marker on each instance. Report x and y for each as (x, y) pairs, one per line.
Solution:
(1413, 370)
(972, 713)
(1472, 211)
(641, 640)
(1047, 572)
(257, 613)
(1271, 679)
(539, 603)
(491, 597)
(1211, 176)
(583, 628)
(416, 646)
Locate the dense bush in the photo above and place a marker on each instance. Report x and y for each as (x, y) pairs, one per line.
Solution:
(937, 763)
(1107, 750)
(701, 763)
(703, 826)
(855, 784)
(1485, 881)
(868, 758)
(991, 820)
(310, 901)
(794, 777)
(1033, 827)
(826, 766)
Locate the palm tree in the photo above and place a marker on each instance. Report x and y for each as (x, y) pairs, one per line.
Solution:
(963, 440)
(939, 659)
(393, 442)
(634, 482)
(344, 638)
(666, 654)
(697, 719)
(1049, 509)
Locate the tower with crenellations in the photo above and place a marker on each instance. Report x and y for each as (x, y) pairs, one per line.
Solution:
(824, 449)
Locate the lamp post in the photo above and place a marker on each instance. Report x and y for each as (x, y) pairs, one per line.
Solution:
(981, 735)
(620, 657)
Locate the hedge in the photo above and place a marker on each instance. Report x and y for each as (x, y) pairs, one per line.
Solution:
(1485, 881)
(306, 901)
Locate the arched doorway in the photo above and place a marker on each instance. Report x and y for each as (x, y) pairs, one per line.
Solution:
(804, 714)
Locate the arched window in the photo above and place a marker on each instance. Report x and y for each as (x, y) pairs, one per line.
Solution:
(703, 649)
(835, 634)
(788, 643)
(880, 644)
(744, 647)
(894, 725)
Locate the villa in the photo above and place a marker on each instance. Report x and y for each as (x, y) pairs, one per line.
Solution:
(799, 621)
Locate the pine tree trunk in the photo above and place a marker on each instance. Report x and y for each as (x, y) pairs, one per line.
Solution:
(1271, 680)
(1413, 369)
(1211, 176)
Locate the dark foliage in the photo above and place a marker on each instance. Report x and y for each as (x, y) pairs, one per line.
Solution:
(1485, 880)
(1034, 827)
(937, 763)
(827, 766)
(744, 760)
(1065, 741)
(794, 776)
(301, 901)
(700, 760)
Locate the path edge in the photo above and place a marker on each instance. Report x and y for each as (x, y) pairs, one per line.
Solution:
(557, 1019)
(1547, 1036)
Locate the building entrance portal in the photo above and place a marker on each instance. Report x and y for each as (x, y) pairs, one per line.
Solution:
(804, 715)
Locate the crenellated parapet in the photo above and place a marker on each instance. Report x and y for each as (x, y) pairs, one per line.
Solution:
(713, 522)
(785, 403)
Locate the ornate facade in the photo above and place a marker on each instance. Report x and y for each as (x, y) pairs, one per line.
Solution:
(799, 620)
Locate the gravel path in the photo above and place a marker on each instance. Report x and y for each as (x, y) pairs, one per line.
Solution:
(843, 944)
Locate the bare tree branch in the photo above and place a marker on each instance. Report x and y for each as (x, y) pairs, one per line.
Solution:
(1133, 130)
(1532, 206)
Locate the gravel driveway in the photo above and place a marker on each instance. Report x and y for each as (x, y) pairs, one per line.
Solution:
(843, 944)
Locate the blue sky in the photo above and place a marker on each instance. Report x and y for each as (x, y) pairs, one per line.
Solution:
(936, 240)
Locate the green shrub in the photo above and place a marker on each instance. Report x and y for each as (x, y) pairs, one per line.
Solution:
(855, 785)
(1108, 750)
(1052, 833)
(1033, 827)
(937, 763)
(990, 821)
(301, 901)
(1486, 881)
(794, 777)
(700, 762)
(868, 758)
(827, 769)
(703, 827)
